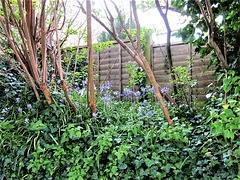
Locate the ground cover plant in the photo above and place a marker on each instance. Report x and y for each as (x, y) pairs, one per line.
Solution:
(125, 140)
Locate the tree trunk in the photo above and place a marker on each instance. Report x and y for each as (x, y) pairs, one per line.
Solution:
(91, 102)
(169, 53)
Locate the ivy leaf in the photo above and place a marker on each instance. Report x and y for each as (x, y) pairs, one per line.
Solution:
(72, 132)
(138, 163)
(237, 152)
(78, 133)
(167, 168)
(149, 162)
(227, 86)
(228, 134)
(229, 113)
(219, 127)
(122, 166)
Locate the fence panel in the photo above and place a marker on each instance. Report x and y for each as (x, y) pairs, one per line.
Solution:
(111, 66)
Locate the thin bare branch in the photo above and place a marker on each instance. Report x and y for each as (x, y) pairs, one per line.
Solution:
(123, 25)
(111, 19)
(33, 61)
(43, 41)
(137, 25)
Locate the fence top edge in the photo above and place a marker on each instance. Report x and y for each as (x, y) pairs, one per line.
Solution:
(172, 44)
(85, 46)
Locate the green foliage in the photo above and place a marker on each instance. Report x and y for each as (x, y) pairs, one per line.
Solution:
(143, 32)
(11, 83)
(102, 45)
(227, 35)
(137, 76)
(81, 71)
(226, 121)
(125, 140)
(184, 83)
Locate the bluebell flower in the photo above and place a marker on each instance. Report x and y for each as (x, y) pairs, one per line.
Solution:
(128, 93)
(131, 108)
(108, 121)
(19, 109)
(26, 120)
(2, 118)
(137, 94)
(108, 85)
(17, 99)
(85, 82)
(105, 87)
(143, 90)
(150, 113)
(94, 114)
(5, 110)
(59, 81)
(29, 106)
(164, 90)
(193, 96)
(77, 104)
(6, 90)
(152, 90)
(117, 94)
(105, 99)
(81, 92)
(140, 110)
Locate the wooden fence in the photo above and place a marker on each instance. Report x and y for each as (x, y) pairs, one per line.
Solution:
(111, 66)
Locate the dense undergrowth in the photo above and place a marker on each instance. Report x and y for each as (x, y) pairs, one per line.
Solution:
(126, 139)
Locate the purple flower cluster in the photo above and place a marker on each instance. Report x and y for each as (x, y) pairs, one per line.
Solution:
(106, 99)
(29, 106)
(5, 110)
(19, 109)
(165, 90)
(26, 120)
(148, 89)
(94, 115)
(105, 87)
(128, 93)
(85, 82)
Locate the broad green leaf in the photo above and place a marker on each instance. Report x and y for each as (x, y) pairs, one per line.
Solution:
(167, 168)
(149, 162)
(122, 166)
(78, 133)
(229, 113)
(138, 163)
(72, 132)
(237, 152)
